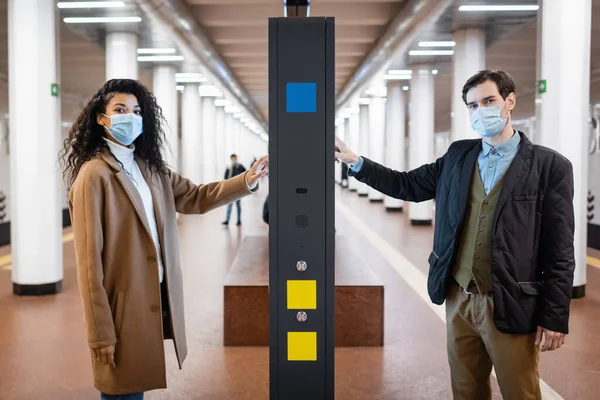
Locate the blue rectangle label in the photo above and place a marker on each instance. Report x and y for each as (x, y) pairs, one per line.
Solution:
(301, 97)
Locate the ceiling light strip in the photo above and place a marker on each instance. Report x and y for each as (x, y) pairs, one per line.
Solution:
(90, 4)
(490, 7)
(101, 20)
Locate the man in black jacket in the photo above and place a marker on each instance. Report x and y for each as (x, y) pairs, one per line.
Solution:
(503, 254)
(234, 170)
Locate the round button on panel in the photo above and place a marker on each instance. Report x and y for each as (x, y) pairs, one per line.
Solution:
(301, 316)
(301, 266)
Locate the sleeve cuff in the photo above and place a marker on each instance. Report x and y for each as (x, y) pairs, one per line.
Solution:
(252, 188)
(357, 167)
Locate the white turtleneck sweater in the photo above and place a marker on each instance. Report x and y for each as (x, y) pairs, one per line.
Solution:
(125, 156)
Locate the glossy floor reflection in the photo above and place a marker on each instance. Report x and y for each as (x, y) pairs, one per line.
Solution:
(44, 353)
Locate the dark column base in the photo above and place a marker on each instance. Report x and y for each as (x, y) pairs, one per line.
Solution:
(376, 200)
(593, 236)
(363, 194)
(4, 233)
(578, 292)
(66, 218)
(37, 290)
(420, 222)
(353, 190)
(394, 209)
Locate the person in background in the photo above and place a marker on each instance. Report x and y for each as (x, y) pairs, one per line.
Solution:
(503, 253)
(123, 202)
(232, 171)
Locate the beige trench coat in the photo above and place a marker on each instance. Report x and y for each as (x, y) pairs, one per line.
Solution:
(117, 268)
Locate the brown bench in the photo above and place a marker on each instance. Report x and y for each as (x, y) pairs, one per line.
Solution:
(358, 298)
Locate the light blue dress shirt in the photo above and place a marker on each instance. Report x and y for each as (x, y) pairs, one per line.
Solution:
(493, 161)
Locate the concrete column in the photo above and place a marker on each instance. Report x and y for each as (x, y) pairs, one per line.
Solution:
(421, 134)
(395, 136)
(468, 59)
(191, 134)
(221, 160)
(229, 137)
(244, 151)
(166, 96)
(36, 193)
(363, 142)
(565, 64)
(348, 140)
(339, 132)
(208, 140)
(237, 135)
(353, 143)
(121, 55)
(376, 138)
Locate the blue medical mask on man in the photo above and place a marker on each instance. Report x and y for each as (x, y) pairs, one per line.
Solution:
(488, 121)
(125, 128)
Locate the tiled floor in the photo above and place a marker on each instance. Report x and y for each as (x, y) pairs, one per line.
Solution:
(43, 352)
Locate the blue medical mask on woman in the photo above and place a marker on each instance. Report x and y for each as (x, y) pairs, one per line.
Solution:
(487, 121)
(125, 128)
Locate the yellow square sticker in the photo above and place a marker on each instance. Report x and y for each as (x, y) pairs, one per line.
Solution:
(302, 346)
(302, 295)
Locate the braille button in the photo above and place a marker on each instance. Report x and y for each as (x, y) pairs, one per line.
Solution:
(478, 244)
(155, 308)
(151, 259)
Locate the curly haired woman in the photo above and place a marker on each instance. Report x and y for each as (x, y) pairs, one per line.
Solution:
(123, 202)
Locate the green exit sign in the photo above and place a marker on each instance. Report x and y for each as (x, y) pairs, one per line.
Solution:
(54, 89)
(541, 86)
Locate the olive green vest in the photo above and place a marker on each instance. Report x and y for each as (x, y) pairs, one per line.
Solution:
(475, 250)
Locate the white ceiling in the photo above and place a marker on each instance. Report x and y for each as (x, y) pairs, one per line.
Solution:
(239, 30)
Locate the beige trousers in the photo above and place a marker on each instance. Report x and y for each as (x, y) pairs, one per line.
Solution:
(474, 345)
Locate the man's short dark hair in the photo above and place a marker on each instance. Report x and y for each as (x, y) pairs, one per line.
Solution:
(233, 155)
(505, 82)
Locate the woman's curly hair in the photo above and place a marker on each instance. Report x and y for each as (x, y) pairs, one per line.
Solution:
(85, 139)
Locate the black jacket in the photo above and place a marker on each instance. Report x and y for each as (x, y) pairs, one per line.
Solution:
(237, 170)
(532, 230)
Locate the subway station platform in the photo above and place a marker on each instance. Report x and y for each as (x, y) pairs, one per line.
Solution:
(44, 354)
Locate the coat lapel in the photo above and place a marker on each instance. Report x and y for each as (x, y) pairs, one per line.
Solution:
(130, 189)
(517, 168)
(466, 175)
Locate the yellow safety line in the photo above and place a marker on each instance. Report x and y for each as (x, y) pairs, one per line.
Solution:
(6, 261)
(593, 261)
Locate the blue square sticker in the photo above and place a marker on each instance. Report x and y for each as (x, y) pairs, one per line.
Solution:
(301, 97)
